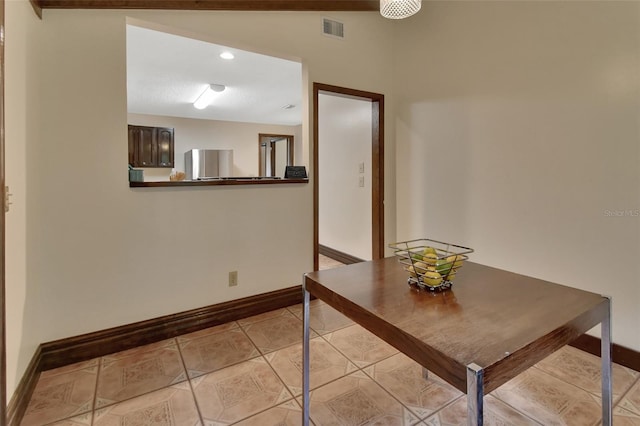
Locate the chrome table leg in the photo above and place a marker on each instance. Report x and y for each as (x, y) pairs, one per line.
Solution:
(605, 355)
(475, 394)
(305, 354)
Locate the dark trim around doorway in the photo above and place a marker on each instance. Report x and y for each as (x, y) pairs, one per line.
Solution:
(290, 151)
(3, 328)
(377, 165)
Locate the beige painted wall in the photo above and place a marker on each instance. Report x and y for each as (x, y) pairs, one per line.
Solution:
(533, 105)
(518, 135)
(100, 254)
(191, 133)
(21, 96)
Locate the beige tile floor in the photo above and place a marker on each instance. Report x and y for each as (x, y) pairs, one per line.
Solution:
(248, 372)
(327, 262)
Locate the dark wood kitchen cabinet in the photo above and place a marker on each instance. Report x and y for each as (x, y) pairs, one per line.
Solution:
(151, 146)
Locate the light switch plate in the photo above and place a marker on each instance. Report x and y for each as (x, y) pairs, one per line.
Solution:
(7, 202)
(233, 278)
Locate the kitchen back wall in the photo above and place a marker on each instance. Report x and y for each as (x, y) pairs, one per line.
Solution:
(190, 133)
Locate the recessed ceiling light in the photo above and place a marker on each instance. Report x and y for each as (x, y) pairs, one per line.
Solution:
(227, 55)
(288, 106)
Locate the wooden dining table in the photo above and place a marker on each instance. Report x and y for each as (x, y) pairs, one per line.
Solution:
(490, 326)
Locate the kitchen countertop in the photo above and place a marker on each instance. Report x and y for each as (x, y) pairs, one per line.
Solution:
(216, 182)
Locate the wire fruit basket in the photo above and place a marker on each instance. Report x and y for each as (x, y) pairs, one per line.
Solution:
(431, 264)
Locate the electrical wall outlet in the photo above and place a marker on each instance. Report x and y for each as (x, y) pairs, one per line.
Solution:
(233, 278)
(361, 182)
(361, 167)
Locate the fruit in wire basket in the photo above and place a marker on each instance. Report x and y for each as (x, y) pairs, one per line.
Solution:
(418, 268)
(430, 258)
(411, 270)
(455, 260)
(428, 250)
(443, 266)
(432, 278)
(421, 267)
(433, 266)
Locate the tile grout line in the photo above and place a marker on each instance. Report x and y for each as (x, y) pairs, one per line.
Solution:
(545, 373)
(450, 403)
(318, 336)
(142, 394)
(614, 402)
(350, 360)
(265, 319)
(358, 369)
(453, 401)
(515, 409)
(394, 397)
(260, 355)
(95, 392)
(186, 371)
(90, 411)
(627, 392)
(285, 387)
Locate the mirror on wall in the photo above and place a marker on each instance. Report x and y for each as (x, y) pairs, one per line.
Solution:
(275, 153)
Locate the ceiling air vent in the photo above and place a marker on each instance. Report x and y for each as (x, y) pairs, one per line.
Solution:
(332, 28)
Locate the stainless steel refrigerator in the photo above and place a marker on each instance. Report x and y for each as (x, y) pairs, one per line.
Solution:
(208, 163)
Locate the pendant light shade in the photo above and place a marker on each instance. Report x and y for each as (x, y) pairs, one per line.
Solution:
(399, 9)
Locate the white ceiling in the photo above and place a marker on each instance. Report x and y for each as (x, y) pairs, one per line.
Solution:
(166, 73)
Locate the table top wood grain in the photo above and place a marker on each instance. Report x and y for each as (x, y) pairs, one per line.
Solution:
(502, 321)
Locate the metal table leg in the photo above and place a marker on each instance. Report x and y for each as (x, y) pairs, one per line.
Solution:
(605, 355)
(475, 394)
(305, 354)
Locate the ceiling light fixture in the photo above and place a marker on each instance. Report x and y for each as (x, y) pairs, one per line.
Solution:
(227, 55)
(399, 9)
(207, 96)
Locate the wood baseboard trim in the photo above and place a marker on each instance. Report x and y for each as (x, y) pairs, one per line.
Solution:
(20, 399)
(67, 351)
(334, 254)
(619, 354)
(88, 346)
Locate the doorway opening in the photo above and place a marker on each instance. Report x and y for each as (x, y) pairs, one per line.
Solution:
(275, 153)
(372, 176)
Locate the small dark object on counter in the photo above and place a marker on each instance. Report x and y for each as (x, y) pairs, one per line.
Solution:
(295, 172)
